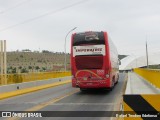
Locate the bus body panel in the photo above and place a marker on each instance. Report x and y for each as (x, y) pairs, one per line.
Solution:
(105, 72)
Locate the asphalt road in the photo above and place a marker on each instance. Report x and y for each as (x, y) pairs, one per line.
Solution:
(66, 98)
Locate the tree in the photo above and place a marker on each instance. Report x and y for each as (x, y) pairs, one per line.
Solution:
(24, 70)
(44, 68)
(37, 68)
(30, 67)
(45, 51)
(14, 70)
(26, 50)
(20, 67)
(9, 69)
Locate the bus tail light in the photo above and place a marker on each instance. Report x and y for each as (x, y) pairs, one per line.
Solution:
(107, 75)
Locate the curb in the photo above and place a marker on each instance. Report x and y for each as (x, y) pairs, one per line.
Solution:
(128, 85)
(33, 89)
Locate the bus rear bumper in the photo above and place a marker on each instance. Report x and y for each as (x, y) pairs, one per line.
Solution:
(93, 84)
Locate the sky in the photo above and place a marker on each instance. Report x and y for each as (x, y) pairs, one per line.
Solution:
(44, 24)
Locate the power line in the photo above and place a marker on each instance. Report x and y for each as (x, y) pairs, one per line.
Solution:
(14, 6)
(45, 14)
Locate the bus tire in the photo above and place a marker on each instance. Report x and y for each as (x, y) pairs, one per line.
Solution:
(111, 88)
(116, 82)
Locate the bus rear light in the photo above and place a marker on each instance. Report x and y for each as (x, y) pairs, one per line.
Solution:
(107, 75)
(102, 82)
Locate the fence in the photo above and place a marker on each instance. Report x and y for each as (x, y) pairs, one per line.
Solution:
(151, 75)
(27, 77)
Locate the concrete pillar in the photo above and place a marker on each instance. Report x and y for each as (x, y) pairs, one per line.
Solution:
(3, 61)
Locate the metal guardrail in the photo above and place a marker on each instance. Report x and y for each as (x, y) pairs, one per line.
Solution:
(151, 75)
(27, 77)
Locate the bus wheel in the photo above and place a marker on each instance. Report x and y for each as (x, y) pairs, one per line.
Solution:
(113, 84)
(111, 88)
(116, 81)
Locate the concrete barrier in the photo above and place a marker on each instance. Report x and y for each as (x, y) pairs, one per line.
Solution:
(138, 85)
(28, 77)
(128, 87)
(13, 87)
(151, 75)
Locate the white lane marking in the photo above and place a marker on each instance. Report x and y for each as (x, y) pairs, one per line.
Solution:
(52, 103)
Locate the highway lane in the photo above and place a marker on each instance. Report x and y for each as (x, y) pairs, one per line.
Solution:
(23, 102)
(66, 98)
(90, 101)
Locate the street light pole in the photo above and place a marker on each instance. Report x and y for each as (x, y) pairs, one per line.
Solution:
(147, 54)
(65, 59)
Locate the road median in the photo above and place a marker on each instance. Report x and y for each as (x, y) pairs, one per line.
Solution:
(32, 89)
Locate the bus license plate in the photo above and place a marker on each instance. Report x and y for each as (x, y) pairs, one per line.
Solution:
(84, 78)
(89, 83)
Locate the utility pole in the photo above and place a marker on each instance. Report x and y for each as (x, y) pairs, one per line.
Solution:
(3, 61)
(147, 54)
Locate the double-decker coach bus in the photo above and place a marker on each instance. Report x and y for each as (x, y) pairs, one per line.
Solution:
(94, 60)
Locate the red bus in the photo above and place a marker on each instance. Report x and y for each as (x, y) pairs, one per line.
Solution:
(94, 60)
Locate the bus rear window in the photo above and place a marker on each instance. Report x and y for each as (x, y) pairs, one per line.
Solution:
(88, 38)
(89, 62)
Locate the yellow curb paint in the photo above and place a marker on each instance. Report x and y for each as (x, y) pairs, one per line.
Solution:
(33, 89)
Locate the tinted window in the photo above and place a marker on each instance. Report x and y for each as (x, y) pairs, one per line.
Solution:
(88, 38)
(89, 62)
